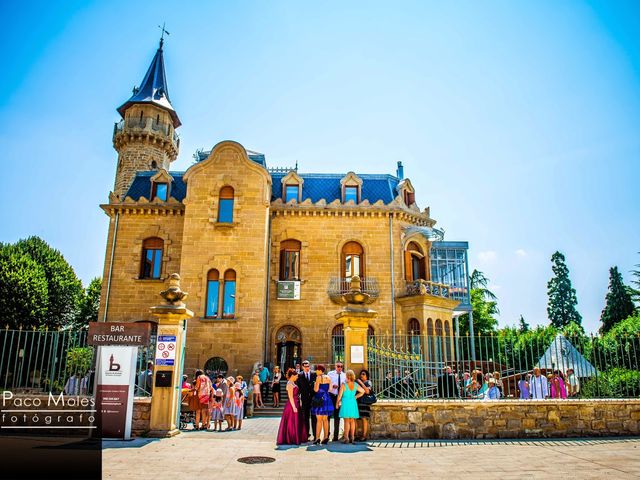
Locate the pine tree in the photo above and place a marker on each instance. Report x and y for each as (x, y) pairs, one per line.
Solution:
(523, 325)
(618, 305)
(635, 292)
(562, 296)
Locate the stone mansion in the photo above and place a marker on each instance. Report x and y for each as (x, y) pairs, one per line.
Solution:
(265, 253)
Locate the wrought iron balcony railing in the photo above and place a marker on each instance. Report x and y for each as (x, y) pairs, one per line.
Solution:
(424, 287)
(338, 286)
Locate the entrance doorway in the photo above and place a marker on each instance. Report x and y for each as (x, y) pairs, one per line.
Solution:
(288, 347)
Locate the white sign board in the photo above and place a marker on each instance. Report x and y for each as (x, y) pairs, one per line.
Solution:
(166, 350)
(357, 354)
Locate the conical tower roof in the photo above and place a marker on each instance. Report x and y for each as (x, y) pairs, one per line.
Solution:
(153, 89)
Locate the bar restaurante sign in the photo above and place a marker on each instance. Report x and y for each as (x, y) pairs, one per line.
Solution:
(119, 333)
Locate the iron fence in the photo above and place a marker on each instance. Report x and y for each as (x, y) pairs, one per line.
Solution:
(43, 361)
(417, 367)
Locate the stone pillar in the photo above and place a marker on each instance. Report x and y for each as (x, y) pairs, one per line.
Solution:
(165, 400)
(355, 321)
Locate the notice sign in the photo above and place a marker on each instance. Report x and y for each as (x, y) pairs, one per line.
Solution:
(357, 354)
(166, 350)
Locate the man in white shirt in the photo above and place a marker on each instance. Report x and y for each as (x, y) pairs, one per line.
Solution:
(574, 383)
(538, 385)
(338, 378)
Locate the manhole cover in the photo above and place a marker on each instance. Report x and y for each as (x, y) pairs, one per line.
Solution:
(254, 460)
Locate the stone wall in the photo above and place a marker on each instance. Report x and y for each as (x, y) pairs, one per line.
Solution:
(141, 416)
(504, 419)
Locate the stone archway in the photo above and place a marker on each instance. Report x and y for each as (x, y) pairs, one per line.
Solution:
(288, 347)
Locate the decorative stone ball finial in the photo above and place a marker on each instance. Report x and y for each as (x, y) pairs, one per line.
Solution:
(355, 295)
(174, 295)
(355, 284)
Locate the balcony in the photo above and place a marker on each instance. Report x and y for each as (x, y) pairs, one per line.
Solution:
(338, 286)
(424, 287)
(147, 125)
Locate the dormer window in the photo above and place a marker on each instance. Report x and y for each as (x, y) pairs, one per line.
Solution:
(292, 187)
(160, 191)
(351, 185)
(291, 193)
(407, 192)
(351, 194)
(409, 198)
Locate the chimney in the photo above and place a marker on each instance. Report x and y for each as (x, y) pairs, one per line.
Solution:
(400, 171)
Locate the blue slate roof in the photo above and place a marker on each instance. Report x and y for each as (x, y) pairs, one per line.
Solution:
(153, 89)
(317, 186)
(141, 186)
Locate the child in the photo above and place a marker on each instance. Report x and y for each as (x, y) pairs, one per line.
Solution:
(216, 410)
(239, 405)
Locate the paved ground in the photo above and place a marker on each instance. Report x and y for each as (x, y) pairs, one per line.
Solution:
(215, 455)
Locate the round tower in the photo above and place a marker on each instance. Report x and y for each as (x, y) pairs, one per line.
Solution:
(146, 137)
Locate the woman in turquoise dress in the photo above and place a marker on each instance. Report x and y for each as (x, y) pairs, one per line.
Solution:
(348, 405)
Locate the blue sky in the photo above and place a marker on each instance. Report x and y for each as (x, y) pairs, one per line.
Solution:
(517, 122)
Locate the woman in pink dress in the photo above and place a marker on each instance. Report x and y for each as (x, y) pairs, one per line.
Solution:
(293, 430)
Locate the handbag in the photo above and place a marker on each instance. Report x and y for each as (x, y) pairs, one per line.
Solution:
(204, 399)
(368, 398)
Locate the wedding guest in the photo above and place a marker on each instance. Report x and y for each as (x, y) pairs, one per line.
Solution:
(337, 377)
(292, 430)
(257, 393)
(245, 394)
(306, 380)
(364, 409)
(322, 404)
(523, 387)
(230, 404)
(539, 386)
(217, 408)
(573, 382)
(493, 392)
(265, 375)
(557, 387)
(275, 386)
(204, 390)
(499, 384)
(347, 402)
(239, 400)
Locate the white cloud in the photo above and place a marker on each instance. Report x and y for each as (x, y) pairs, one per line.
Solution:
(521, 253)
(488, 256)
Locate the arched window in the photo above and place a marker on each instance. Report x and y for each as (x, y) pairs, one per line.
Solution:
(414, 335)
(439, 342)
(229, 296)
(414, 263)
(430, 344)
(337, 344)
(225, 205)
(213, 294)
(352, 260)
(290, 259)
(447, 340)
(215, 366)
(151, 265)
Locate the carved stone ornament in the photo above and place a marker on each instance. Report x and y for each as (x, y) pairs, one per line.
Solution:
(174, 295)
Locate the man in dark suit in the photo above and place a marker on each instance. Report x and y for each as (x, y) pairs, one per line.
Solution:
(447, 385)
(306, 381)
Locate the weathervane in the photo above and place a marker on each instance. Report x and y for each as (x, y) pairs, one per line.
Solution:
(164, 30)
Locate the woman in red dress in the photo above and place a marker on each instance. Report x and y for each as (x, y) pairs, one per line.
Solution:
(292, 429)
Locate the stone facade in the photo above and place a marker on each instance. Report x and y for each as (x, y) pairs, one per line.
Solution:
(141, 416)
(504, 419)
(195, 242)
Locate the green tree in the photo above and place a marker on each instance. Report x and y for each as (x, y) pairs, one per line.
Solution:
(635, 292)
(64, 288)
(484, 306)
(618, 305)
(523, 326)
(89, 304)
(23, 289)
(562, 296)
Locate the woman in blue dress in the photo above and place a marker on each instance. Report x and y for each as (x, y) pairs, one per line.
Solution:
(321, 404)
(348, 405)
